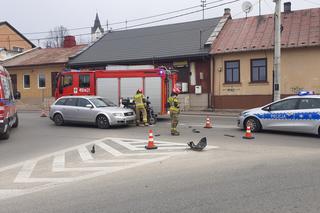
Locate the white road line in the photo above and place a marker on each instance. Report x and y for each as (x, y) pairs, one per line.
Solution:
(152, 153)
(126, 145)
(5, 194)
(108, 148)
(26, 170)
(117, 161)
(84, 153)
(58, 162)
(51, 154)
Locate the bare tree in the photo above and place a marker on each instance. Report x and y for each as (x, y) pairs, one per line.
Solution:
(56, 37)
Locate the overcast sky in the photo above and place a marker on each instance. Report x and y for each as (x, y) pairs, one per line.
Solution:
(42, 15)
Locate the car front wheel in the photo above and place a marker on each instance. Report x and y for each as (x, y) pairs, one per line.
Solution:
(6, 134)
(254, 124)
(58, 119)
(16, 123)
(103, 122)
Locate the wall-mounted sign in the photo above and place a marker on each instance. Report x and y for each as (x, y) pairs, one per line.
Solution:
(180, 64)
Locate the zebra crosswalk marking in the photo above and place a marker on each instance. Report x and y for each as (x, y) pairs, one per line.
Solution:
(129, 154)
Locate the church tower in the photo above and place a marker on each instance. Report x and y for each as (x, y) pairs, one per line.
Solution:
(96, 31)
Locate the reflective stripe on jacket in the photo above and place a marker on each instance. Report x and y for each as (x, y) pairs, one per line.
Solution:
(174, 104)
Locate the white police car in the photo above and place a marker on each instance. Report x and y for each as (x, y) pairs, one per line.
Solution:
(299, 113)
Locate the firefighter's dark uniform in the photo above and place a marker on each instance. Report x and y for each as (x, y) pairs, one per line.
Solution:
(140, 108)
(174, 112)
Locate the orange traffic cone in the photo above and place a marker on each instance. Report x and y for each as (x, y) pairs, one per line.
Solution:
(208, 123)
(43, 114)
(151, 141)
(248, 134)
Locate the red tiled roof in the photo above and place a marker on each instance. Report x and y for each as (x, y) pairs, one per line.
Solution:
(43, 56)
(301, 28)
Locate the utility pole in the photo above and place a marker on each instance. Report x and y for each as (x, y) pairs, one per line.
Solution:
(259, 7)
(203, 5)
(277, 51)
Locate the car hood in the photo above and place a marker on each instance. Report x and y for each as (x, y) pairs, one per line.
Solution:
(251, 111)
(115, 109)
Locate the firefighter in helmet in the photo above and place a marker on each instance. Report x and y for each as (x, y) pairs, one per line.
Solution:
(140, 101)
(174, 109)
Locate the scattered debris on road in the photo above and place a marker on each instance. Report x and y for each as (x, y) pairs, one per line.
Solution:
(195, 131)
(200, 146)
(93, 150)
(231, 136)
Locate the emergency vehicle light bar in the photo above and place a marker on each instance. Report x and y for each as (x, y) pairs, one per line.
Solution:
(303, 93)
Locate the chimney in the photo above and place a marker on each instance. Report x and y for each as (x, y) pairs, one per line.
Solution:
(287, 7)
(227, 12)
(69, 41)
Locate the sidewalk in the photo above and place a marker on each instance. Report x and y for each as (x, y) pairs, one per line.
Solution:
(21, 107)
(226, 113)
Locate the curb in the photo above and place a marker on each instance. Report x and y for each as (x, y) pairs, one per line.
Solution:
(212, 114)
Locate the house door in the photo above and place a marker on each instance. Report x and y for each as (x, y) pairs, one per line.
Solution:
(14, 83)
(53, 82)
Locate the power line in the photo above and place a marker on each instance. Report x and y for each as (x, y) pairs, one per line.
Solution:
(163, 14)
(177, 16)
(142, 24)
(123, 22)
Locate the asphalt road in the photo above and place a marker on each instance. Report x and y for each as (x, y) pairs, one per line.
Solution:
(275, 172)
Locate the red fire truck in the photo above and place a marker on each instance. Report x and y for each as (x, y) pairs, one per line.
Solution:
(116, 84)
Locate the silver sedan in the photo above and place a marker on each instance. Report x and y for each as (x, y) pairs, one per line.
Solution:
(90, 109)
(293, 114)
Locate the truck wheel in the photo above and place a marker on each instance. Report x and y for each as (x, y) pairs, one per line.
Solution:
(58, 119)
(102, 122)
(254, 124)
(6, 135)
(16, 124)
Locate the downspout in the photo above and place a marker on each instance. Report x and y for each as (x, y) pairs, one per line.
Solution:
(211, 104)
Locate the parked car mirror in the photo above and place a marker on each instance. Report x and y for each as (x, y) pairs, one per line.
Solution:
(17, 95)
(89, 106)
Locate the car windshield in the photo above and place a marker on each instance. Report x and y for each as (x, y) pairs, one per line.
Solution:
(102, 102)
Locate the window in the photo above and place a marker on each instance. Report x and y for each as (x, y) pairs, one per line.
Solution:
(6, 88)
(83, 102)
(41, 80)
(102, 102)
(26, 81)
(67, 80)
(309, 103)
(71, 102)
(61, 101)
(232, 72)
(17, 49)
(84, 81)
(259, 70)
(289, 104)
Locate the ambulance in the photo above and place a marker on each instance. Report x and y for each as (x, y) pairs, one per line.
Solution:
(8, 111)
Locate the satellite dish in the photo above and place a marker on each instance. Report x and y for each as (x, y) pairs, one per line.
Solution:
(247, 7)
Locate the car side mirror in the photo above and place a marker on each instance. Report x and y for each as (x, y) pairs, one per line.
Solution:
(268, 108)
(89, 106)
(17, 95)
